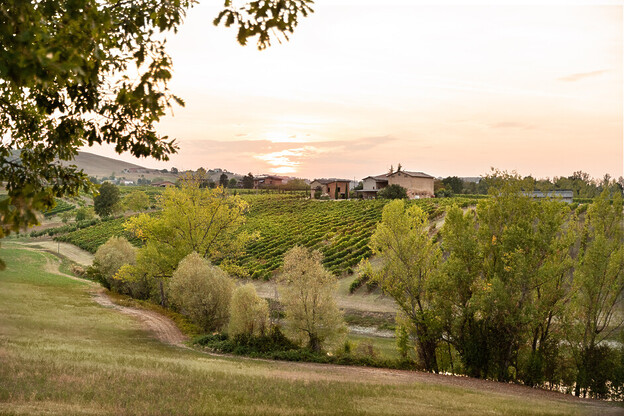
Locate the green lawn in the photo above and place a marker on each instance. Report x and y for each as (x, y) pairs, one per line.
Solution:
(61, 353)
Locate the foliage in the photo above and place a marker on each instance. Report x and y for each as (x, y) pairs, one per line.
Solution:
(506, 281)
(306, 291)
(192, 219)
(202, 292)
(109, 258)
(263, 18)
(409, 261)
(85, 214)
(106, 202)
(249, 313)
(599, 284)
(454, 183)
(136, 201)
(248, 181)
(393, 191)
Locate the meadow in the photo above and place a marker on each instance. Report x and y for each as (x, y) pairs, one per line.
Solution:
(62, 353)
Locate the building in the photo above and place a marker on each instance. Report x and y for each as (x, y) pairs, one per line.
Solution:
(267, 181)
(332, 188)
(417, 184)
(564, 195)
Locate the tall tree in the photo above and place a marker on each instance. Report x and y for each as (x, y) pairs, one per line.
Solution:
(107, 201)
(599, 284)
(248, 181)
(409, 259)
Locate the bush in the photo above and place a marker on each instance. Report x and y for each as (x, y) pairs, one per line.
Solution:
(109, 258)
(393, 192)
(202, 292)
(249, 313)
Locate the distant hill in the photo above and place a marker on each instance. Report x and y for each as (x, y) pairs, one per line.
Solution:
(101, 166)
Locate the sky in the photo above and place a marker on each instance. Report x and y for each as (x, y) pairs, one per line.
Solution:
(450, 89)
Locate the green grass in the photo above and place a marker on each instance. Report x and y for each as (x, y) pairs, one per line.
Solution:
(61, 353)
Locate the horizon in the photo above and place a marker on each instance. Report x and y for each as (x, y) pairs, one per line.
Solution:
(450, 91)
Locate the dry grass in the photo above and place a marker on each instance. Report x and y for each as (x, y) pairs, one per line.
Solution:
(61, 353)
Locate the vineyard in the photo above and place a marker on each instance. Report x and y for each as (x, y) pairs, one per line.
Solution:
(60, 206)
(341, 230)
(90, 238)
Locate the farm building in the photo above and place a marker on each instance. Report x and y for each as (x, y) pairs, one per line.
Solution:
(566, 196)
(267, 181)
(418, 184)
(332, 188)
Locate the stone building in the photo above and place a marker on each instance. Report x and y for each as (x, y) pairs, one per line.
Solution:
(332, 188)
(417, 184)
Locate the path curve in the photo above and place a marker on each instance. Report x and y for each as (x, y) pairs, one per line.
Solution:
(162, 327)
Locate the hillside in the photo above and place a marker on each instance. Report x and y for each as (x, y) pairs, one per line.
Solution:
(99, 166)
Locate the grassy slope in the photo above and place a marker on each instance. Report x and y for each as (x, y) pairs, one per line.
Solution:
(63, 354)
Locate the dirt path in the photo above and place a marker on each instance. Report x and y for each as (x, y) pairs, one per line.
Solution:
(70, 251)
(162, 327)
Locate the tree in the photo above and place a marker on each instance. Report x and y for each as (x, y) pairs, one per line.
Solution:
(248, 181)
(599, 282)
(86, 72)
(109, 258)
(409, 259)
(136, 201)
(174, 170)
(192, 219)
(306, 291)
(249, 313)
(393, 192)
(454, 183)
(201, 291)
(223, 180)
(232, 183)
(107, 201)
(85, 213)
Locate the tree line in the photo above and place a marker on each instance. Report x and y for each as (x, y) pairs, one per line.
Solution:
(580, 183)
(514, 290)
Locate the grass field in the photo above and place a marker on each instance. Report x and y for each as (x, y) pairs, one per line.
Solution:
(61, 353)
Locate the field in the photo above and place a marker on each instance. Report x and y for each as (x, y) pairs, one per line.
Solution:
(63, 354)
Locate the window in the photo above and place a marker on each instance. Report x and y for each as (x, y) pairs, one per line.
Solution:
(338, 188)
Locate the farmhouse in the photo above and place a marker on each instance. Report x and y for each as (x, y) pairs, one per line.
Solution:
(267, 181)
(332, 188)
(418, 184)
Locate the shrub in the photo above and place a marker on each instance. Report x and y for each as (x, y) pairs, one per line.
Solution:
(109, 258)
(201, 291)
(249, 313)
(393, 192)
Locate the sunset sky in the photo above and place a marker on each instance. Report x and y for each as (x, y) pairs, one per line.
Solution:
(362, 85)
